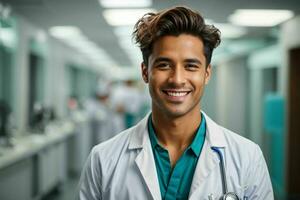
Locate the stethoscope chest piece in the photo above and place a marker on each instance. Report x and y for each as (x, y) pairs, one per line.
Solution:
(230, 196)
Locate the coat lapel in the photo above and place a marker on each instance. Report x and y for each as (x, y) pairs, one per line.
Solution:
(145, 159)
(208, 159)
(146, 165)
(206, 164)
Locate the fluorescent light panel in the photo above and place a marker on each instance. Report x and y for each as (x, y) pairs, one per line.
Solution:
(124, 17)
(125, 3)
(230, 31)
(7, 36)
(73, 37)
(260, 17)
(62, 32)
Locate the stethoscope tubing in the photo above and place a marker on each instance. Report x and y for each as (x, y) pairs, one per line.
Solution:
(226, 195)
(222, 165)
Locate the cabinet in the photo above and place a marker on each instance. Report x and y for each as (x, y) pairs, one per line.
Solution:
(52, 169)
(16, 181)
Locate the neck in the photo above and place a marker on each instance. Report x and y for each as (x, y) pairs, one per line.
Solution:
(176, 132)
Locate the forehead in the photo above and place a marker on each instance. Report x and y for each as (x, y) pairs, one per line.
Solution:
(182, 46)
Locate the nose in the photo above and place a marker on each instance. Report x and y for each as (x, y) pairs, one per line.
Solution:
(177, 76)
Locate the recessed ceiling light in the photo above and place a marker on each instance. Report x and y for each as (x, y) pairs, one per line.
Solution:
(7, 36)
(230, 31)
(62, 32)
(123, 17)
(125, 3)
(73, 37)
(260, 17)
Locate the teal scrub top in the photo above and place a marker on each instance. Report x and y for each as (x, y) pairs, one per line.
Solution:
(175, 183)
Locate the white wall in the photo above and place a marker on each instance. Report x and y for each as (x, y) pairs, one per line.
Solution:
(232, 94)
(20, 95)
(209, 99)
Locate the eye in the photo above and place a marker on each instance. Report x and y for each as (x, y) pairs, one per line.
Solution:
(191, 67)
(163, 65)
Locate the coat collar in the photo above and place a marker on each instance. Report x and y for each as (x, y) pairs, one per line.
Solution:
(140, 137)
(214, 133)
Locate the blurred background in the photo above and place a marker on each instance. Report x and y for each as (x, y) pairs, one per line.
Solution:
(70, 78)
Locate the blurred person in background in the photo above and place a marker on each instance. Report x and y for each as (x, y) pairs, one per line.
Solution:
(127, 102)
(100, 114)
(72, 104)
(177, 151)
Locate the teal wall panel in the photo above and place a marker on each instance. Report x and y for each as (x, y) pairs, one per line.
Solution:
(274, 126)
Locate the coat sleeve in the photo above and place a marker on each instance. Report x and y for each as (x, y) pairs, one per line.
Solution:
(259, 185)
(89, 187)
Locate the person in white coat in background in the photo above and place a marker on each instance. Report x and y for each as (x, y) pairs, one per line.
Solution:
(100, 114)
(126, 100)
(177, 151)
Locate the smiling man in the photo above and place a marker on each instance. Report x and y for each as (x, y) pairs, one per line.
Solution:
(176, 152)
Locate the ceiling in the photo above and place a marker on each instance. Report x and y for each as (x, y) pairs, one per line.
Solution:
(87, 15)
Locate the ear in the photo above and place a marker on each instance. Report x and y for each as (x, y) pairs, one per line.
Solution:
(208, 72)
(144, 70)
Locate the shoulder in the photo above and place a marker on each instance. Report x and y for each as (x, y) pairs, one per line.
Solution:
(101, 164)
(246, 164)
(121, 146)
(114, 146)
(120, 149)
(222, 137)
(235, 140)
(237, 148)
(244, 153)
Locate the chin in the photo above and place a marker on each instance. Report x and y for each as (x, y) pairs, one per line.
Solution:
(175, 113)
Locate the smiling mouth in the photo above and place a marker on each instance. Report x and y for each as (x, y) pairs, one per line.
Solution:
(173, 93)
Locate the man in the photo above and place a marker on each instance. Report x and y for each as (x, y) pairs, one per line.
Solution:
(176, 152)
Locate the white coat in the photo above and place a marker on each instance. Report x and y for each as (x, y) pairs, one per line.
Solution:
(124, 168)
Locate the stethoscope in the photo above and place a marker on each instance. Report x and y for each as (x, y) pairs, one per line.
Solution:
(226, 195)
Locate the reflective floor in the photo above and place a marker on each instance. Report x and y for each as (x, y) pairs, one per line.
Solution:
(67, 192)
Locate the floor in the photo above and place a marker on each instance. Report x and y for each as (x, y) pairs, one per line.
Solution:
(67, 192)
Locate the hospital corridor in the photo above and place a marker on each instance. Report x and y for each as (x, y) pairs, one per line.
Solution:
(71, 78)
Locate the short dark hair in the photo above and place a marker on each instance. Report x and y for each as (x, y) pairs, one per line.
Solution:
(174, 21)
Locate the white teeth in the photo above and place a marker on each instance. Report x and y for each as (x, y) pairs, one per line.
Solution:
(176, 94)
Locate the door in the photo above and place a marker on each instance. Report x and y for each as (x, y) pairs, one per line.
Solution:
(36, 86)
(293, 147)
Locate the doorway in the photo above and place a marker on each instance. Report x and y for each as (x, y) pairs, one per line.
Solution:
(293, 125)
(36, 86)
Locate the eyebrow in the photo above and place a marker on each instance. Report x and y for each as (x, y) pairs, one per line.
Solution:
(193, 60)
(162, 59)
(189, 60)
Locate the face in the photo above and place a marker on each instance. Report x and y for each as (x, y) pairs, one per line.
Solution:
(176, 74)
